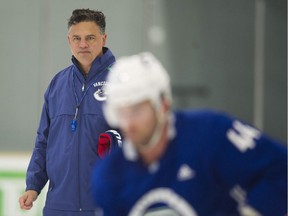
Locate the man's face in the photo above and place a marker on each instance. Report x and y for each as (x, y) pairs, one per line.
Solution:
(86, 43)
(138, 123)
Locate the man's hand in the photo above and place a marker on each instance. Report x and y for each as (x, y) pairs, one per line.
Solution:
(27, 199)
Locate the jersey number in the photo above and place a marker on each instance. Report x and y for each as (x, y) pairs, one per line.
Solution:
(243, 136)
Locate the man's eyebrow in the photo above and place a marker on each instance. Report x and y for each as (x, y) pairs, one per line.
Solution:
(84, 35)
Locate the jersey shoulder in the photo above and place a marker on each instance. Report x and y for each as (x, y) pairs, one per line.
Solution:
(204, 119)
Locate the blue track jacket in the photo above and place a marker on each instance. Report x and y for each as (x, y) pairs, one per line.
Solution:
(64, 157)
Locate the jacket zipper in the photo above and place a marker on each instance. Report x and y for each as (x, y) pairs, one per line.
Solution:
(79, 176)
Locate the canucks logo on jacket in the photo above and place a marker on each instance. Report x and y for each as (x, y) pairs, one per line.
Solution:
(99, 94)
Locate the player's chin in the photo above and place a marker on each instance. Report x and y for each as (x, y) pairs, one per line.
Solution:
(141, 144)
(136, 142)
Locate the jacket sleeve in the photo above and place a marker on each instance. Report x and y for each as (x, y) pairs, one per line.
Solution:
(253, 166)
(36, 176)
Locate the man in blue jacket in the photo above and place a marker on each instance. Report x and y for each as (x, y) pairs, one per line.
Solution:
(188, 163)
(72, 120)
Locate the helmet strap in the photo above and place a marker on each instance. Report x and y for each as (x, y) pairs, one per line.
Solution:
(160, 124)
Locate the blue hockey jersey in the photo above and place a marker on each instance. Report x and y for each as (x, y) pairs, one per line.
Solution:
(214, 165)
(64, 156)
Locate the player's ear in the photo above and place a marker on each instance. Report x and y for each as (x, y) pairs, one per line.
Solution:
(165, 104)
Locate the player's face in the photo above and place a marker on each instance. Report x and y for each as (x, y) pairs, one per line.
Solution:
(138, 123)
(86, 43)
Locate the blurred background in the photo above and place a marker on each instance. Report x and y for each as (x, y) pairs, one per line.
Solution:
(229, 55)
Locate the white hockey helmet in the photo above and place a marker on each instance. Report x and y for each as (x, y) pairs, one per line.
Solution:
(135, 79)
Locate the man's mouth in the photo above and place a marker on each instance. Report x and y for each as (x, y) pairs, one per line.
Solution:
(83, 52)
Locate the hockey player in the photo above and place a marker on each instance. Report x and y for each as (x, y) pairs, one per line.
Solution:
(182, 163)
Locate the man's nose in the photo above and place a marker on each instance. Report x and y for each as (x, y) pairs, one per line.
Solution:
(83, 44)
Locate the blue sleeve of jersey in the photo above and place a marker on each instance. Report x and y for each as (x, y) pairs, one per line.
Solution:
(36, 176)
(104, 187)
(249, 160)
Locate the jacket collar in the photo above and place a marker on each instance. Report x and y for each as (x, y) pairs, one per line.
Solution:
(98, 65)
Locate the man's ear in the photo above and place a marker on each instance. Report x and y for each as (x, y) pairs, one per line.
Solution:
(104, 38)
(69, 39)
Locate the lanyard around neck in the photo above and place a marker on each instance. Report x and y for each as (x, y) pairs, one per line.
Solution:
(78, 102)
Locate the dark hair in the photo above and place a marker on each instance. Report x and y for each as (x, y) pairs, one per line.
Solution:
(84, 15)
